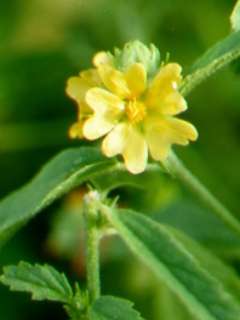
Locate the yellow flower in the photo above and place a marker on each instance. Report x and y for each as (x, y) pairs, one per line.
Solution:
(135, 114)
(77, 88)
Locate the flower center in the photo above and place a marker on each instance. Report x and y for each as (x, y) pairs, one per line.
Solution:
(135, 110)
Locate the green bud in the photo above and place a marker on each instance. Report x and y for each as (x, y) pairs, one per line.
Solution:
(136, 51)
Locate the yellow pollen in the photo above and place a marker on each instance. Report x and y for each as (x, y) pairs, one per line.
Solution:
(135, 110)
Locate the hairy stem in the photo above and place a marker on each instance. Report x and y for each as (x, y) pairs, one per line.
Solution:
(93, 279)
(214, 59)
(197, 77)
(179, 171)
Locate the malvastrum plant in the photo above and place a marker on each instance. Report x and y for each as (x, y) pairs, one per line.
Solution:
(129, 101)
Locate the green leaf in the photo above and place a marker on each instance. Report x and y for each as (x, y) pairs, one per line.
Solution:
(209, 289)
(43, 282)
(217, 57)
(199, 224)
(235, 17)
(169, 305)
(77, 306)
(114, 179)
(109, 308)
(64, 172)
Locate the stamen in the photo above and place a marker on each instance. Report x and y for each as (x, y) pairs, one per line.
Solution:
(135, 110)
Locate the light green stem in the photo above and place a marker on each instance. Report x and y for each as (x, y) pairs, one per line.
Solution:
(202, 73)
(93, 280)
(179, 171)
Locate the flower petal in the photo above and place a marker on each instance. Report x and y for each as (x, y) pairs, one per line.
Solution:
(77, 87)
(107, 109)
(114, 80)
(167, 78)
(161, 133)
(184, 129)
(115, 141)
(96, 127)
(102, 102)
(76, 130)
(136, 78)
(135, 151)
(101, 58)
(127, 140)
(91, 77)
(163, 95)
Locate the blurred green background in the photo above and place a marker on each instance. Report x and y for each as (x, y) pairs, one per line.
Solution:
(44, 42)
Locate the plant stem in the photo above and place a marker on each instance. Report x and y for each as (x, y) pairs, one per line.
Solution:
(93, 280)
(177, 168)
(203, 70)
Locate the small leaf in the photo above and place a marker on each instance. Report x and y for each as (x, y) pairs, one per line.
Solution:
(61, 174)
(76, 308)
(208, 288)
(43, 282)
(109, 308)
(217, 57)
(235, 17)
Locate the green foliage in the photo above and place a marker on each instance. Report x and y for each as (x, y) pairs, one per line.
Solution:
(44, 282)
(235, 17)
(67, 170)
(170, 306)
(208, 288)
(76, 307)
(108, 308)
(199, 224)
(217, 57)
